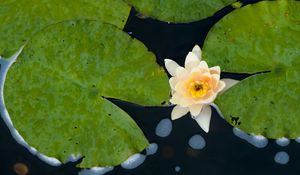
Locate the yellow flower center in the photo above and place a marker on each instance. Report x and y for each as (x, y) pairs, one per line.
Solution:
(198, 88)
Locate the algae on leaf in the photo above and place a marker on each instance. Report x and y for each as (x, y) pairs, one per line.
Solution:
(262, 37)
(20, 19)
(54, 91)
(179, 11)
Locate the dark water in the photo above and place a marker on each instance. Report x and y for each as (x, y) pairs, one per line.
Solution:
(224, 154)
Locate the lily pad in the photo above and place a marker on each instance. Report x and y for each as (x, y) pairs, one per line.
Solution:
(20, 19)
(179, 11)
(262, 37)
(55, 91)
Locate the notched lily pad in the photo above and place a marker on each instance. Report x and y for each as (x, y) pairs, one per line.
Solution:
(20, 19)
(262, 37)
(54, 92)
(179, 11)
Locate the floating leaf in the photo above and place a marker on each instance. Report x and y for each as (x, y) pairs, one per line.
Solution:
(179, 11)
(54, 92)
(21, 19)
(258, 38)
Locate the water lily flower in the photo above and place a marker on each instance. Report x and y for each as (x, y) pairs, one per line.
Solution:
(195, 87)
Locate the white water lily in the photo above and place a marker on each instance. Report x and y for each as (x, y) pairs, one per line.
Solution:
(195, 87)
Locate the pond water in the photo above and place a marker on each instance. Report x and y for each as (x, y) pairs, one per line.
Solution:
(177, 147)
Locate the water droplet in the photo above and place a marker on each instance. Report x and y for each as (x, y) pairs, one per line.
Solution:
(177, 168)
(282, 141)
(197, 142)
(50, 160)
(256, 140)
(151, 149)
(282, 158)
(96, 171)
(73, 158)
(133, 161)
(163, 128)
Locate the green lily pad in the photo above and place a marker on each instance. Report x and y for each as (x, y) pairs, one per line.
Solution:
(20, 19)
(54, 92)
(262, 37)
(179, 11)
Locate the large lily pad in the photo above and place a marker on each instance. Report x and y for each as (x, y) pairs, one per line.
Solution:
(54, 92)
(20, 19)
(179, 11)
(258, 38)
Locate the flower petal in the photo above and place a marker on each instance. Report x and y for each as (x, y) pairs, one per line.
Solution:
(197, 51)
(215, 70)
(191, 61)
(221, 86)
(203, 66)
(216, 77)
(178, 99)
(228, 84)
(215, 81)
(181, 88)
(173, 81)
(195, 109)
(203, 119)
(178, 112)
(181, 73)
(185, 102)
(171, 66)
(210, 99)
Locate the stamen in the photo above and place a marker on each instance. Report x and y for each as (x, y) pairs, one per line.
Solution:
(198, 88)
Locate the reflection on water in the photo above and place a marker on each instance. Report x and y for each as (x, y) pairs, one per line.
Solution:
(283, 141)
(133, 161)
(95, 171)
(177, 168)
(164, 128)
(282, 157)
(152, 149)
(255, 140)
(197, 142)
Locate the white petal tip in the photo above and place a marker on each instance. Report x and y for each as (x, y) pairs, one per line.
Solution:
(197, 51)
(171, 66)
(191, 61)
(215, 70)
(173, 118)
(196, 48)
(206, 130)
(204, 66)
(178, 112)
(167, 61)
(203, 119)
(204, 126)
